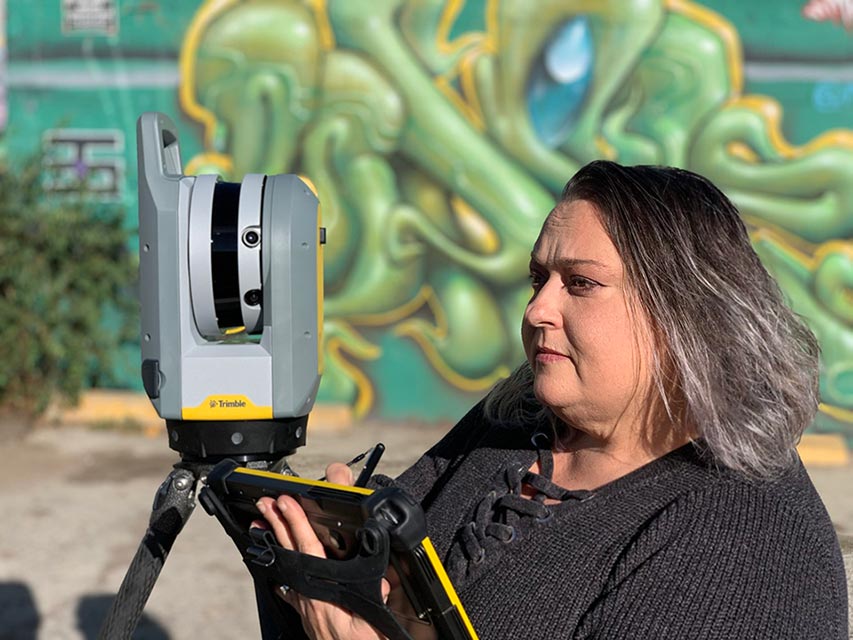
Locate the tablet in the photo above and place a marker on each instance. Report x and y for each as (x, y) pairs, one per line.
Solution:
(422, 598)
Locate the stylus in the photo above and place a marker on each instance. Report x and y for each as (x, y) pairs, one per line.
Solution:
(367, 470)
(373, 454)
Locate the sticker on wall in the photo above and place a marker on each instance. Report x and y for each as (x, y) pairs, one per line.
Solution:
(90, 16)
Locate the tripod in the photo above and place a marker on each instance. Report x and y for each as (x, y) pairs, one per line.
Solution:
(201, 447)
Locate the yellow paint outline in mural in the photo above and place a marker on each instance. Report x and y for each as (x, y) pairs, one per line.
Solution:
(223, 162)
(468, 102)
(443, 84)
(336, 348)
(723, 28)
(492, 28)
(607, 150)
(771, 111)
(435, 359)
(480, 234)
(761, 229)
(452, 9)
(486, 41)
(839, 413)
(392, 316)
(425, 297)
(742, 151)
(205, 15)
(469, 84)
(809, 259)
(324, 25)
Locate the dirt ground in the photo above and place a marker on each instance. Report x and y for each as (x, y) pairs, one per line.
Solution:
(75, 503)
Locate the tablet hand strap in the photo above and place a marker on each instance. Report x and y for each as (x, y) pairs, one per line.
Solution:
(355, 583)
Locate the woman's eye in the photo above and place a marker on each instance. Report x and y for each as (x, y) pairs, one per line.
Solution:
(536, 280)
(580, 284)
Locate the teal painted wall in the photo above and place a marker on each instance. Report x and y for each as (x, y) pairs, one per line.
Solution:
(438, 134)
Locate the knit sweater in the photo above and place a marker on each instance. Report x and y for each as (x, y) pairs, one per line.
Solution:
(679, 548)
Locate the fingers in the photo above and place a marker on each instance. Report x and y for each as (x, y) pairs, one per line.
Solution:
(299, 529)
(290, 525)
(274, 518)
(385, 590)
(339, 473)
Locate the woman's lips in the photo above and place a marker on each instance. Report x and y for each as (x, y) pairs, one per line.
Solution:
(544, 354)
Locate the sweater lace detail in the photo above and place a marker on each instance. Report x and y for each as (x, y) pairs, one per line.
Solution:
(503, 512)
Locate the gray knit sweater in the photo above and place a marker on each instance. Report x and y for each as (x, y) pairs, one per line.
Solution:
(676, 549)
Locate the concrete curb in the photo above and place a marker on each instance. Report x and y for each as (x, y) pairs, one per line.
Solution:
(130, 409)
(824, 450)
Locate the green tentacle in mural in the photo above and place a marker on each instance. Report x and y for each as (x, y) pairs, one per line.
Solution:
(345, 380)
(833, 280)
(468, 349)
(622, 31)
(819, 288)
(443, 143)
(681, 79)
(439, 132)
(383, 274)
(254, 76)
(345, 152)
(377, 242)
(807, 192)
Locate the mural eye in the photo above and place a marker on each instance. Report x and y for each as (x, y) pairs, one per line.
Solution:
(559, 80)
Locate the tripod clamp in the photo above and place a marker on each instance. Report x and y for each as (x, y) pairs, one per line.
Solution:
(354, 583)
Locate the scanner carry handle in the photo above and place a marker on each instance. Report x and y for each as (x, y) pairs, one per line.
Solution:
(157, 139)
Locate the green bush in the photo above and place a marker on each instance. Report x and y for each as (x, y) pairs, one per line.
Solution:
(64, 264)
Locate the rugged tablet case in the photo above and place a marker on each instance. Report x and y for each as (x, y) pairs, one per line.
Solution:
(367, 535)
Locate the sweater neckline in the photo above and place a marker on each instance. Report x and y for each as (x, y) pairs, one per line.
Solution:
(688, 453)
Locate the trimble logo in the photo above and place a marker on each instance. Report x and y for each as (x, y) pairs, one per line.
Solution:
(227, 404)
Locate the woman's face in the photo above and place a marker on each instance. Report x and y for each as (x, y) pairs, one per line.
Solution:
(590, 355)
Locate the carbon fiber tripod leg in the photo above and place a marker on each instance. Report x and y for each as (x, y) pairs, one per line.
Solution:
(173, 505)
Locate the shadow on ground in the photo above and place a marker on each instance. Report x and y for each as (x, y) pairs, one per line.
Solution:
(94, 608)
(18, 612)
(20, 617)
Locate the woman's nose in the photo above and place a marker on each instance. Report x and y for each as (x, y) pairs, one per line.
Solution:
(543, 308)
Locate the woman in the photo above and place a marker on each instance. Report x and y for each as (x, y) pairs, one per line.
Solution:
(637, 477)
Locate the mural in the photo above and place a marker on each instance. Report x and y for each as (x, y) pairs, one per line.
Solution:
(438, 133)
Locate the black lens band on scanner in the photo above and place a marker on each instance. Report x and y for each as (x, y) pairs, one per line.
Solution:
(224, 237)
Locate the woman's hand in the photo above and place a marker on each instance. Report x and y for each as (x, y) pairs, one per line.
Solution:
(322, 620)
